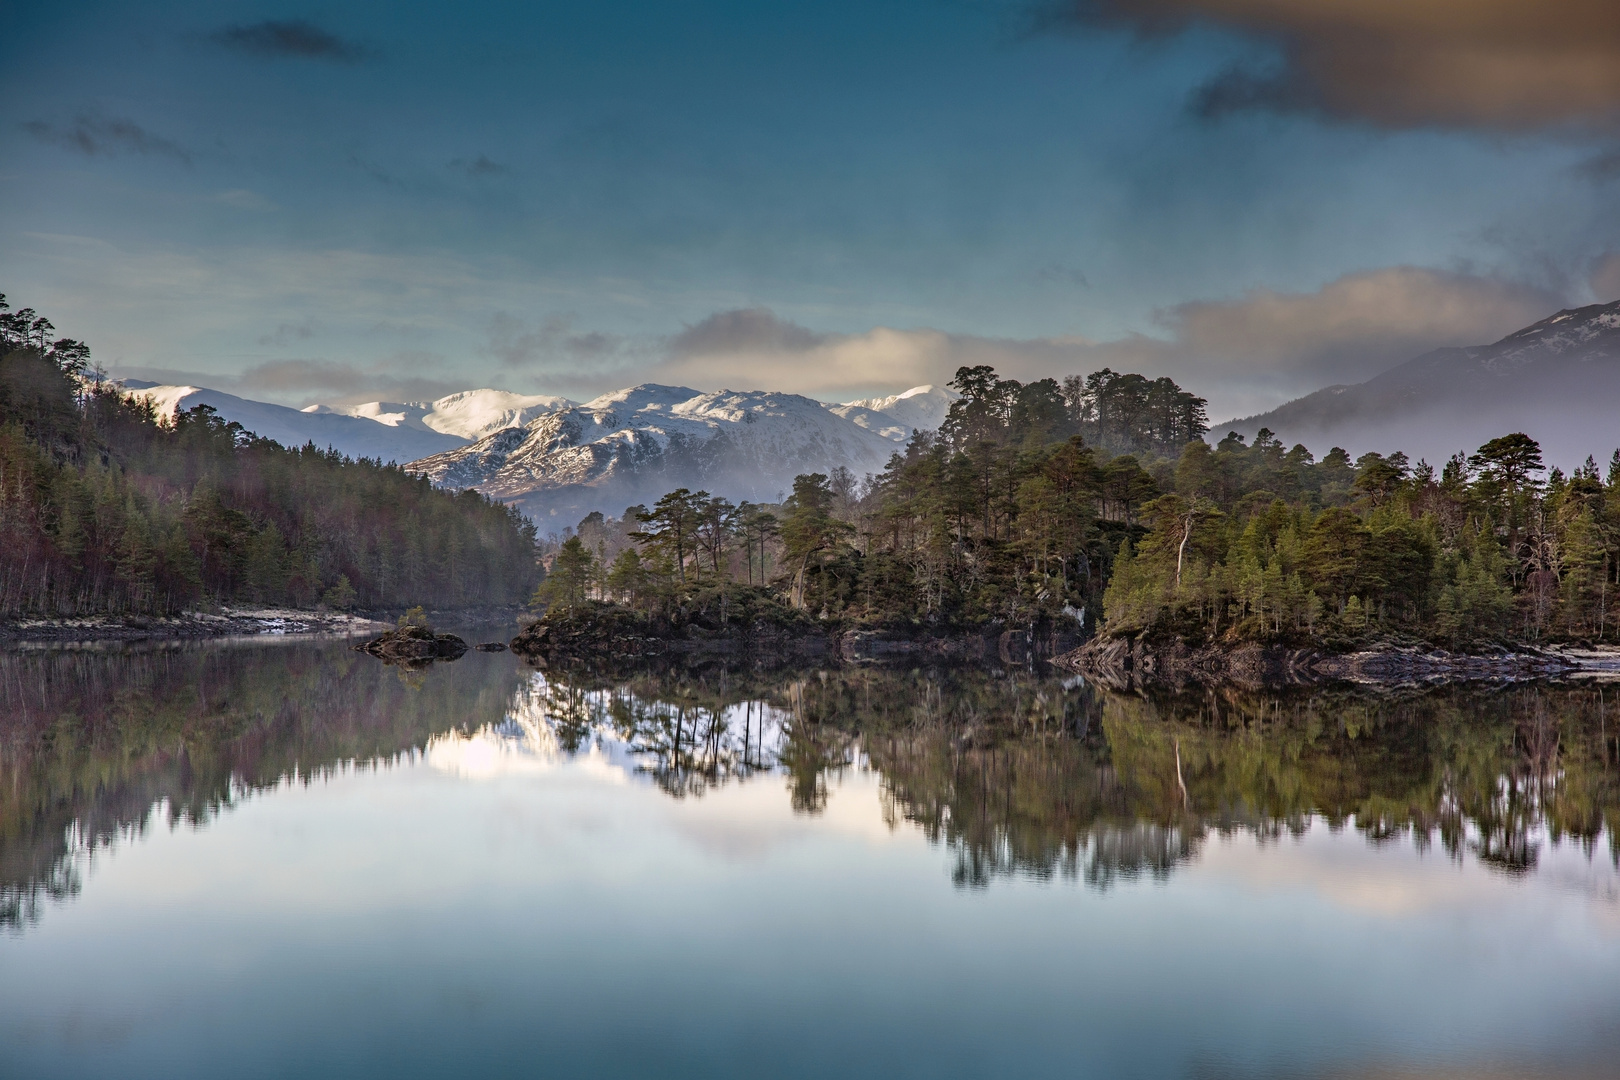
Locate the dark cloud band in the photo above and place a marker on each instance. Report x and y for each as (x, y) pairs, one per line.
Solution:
(1501, 64)
(101, 136)
(290, 38)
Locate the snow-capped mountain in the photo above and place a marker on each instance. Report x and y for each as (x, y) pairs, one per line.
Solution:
(1558, 381)
(355, 436)
(469, 415)
(558, 460)
(634, 445)
(922, 408)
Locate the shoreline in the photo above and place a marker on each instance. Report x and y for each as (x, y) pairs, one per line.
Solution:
(192, 625)
(607, 635)
(1124, 664)
(239, 621)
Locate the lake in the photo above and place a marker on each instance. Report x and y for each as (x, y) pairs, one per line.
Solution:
(279, 858)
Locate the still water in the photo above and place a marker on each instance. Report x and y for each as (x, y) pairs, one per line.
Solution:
(288, 859)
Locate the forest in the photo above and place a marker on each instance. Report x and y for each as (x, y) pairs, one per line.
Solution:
(107, 508)
(1101, 499)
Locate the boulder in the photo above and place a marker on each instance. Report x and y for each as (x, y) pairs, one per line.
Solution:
(413, 643)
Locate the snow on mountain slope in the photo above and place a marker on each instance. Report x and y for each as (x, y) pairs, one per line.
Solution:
(633, 445)
(922, 408)
(1558, 381)
(470, 414)
(354, 436)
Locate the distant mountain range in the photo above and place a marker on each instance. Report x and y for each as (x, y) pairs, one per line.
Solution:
(633, 445)
(1557, 381)
(558, 460)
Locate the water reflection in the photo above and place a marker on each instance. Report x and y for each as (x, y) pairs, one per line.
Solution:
(99, 743)
(1038, 777)
(1013, 774)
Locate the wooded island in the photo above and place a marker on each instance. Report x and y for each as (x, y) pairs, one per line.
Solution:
(1046, 503)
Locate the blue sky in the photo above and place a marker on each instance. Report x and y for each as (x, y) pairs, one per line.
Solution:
(351, 201)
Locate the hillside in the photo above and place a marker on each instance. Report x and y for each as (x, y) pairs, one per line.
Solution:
(109, 512)
(636, 444)
(1558, 381)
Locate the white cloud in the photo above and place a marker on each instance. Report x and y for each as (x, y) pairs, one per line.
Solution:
(440, 321)
(1256, 351)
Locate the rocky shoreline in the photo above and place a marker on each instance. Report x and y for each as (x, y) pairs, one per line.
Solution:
(607, 636)
(226, 622)
(1124, 663)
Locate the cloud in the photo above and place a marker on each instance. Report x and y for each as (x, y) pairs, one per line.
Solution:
(479, 166)
(288, 38)
(287, 332)
(1602, 167)
(1353, 327)
(1246, 353)
(1063, 274)
(1494, 64)
(281, 376)
(314, 381)
(243, 199)
(1245, 89)
(100, 136)
(1254, 351)
(514, 344)
(1605, 277)
(376, 172)
(741, 333)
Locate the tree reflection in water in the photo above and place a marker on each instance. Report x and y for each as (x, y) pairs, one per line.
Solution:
(98, 743)
(1013, 773)
(1022, 775)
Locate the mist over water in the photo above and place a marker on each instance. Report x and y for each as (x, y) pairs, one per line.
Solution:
(268, 857)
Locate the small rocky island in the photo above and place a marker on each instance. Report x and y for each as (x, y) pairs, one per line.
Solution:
(413, 642)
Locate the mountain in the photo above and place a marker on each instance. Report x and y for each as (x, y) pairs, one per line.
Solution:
(557, 459)
(633, 445)
(922, 408)
(469, 415)
(1557, 381)
(355, 436)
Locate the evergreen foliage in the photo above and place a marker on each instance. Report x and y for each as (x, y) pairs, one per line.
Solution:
(1292, 550)
(106, 508)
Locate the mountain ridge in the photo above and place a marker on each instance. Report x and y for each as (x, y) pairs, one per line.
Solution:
(635, 444)
(1557, 380)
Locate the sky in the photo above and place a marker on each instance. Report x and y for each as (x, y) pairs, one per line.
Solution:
(340, 202)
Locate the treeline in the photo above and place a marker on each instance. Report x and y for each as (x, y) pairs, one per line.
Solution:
(1035, 502)
(107, 508)
(1264, 544)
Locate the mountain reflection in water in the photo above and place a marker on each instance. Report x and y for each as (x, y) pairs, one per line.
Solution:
(1014, 774)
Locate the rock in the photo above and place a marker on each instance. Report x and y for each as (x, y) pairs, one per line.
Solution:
(413, 643)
